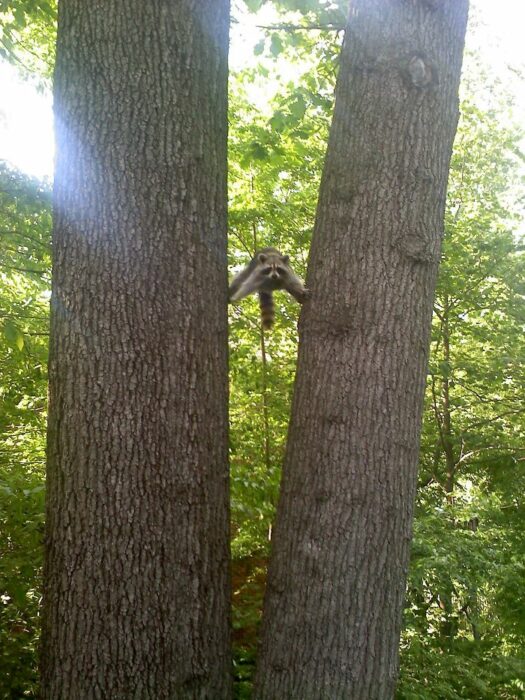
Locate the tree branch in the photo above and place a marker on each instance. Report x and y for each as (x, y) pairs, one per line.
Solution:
(301, 27)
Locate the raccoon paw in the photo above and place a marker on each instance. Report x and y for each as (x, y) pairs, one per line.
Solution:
(306, 294)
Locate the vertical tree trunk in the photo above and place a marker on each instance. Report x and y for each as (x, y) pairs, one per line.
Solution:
(137, 558)
(343, 528)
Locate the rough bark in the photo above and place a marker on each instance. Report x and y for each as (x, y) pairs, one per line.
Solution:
(337, 575)
(136, 591)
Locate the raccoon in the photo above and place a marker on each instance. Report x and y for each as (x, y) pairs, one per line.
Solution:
(267, 271)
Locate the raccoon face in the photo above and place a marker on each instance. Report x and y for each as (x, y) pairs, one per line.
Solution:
(273, 267)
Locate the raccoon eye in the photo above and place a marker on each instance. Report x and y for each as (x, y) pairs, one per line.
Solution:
(267, 270)
(281, 270)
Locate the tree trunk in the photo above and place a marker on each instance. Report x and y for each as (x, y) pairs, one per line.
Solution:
(136, 593)
(341, 544)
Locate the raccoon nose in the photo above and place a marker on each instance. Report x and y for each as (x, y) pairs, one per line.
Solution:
(274, 275)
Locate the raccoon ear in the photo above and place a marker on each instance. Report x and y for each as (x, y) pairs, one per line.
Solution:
(285, 259)
(263, 258)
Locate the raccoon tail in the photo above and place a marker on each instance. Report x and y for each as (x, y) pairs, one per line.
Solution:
(267, 309)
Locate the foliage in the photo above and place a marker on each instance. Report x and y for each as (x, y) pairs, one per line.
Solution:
(274, 178)
(325, 13)
(465, 629)
(25, 221)
(274, 174)
(27, 35)
(21, 524)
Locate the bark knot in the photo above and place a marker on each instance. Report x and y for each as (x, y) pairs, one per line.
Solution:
(420, 71)
(421, 248)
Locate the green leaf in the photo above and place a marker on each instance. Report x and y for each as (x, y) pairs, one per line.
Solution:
(258, 151)
(276, 45)
(278, 121)
(253, 5)
(13, 335)
(298, 107)
(258, 48)
(20, 17)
